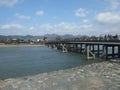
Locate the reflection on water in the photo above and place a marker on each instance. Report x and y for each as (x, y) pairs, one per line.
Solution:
(22, 61)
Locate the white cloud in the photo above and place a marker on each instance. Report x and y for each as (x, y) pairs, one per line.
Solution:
(113, 4)
(108, 18)
(8, 3)
(85, 28)
(22, 16)
(106, 30)
(40, 13)
(60, 28)
(81, 12)
(66, 28)
(32, 28)
(11, 26)
(46, 27)
(85, 21)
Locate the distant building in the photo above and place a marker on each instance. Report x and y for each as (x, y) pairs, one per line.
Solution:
(14, 39)
(40, 40)
(118, 37)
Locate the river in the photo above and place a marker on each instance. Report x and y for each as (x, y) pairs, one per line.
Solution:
(21, 61)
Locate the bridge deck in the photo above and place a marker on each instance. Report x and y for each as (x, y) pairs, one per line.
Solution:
(90, 48)
(98, 43)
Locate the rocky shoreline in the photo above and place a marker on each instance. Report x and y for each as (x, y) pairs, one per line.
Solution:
(97, 76)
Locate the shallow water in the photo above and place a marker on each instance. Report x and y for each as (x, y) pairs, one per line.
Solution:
(24, 60)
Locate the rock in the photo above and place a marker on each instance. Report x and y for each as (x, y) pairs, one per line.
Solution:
(97, 76)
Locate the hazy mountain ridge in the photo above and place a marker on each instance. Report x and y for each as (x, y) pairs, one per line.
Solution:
(49, 36)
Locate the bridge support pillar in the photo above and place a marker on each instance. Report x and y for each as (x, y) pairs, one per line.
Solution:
(98, 50)
(49, 45)
(90, 55)
(64, 48)
(80, 48)
(76, 47)
(54, 47)
(106, 52)
(113, 52)
(118, 51)
(93, 48)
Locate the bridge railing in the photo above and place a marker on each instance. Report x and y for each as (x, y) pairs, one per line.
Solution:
(66, 41)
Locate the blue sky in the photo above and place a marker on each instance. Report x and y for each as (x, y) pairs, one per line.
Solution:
(77, 17)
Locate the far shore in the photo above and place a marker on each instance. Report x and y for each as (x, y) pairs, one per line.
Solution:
(14, 45)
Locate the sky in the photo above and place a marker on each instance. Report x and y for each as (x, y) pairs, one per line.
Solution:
(77, 17)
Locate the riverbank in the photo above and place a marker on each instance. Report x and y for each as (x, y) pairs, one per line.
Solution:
(17, 45)
(97, 76)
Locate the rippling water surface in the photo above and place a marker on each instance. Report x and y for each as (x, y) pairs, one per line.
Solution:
(30, 60)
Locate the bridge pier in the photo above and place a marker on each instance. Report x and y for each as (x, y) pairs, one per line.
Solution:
(118, 51)
(106, 51)
(54, 47)
(90, 55)
(98, 50)
(83, 49)
(64, 48)
(49, 45)
(76, 48)
(93, 49)
(112, 52)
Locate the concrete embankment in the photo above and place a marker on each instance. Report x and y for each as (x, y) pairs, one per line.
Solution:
(97, 76)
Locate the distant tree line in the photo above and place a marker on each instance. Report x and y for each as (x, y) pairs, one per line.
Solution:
(104, 38)
(22, 41)
(101, 38)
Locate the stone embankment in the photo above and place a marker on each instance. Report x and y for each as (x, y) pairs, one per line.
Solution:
(97, 76)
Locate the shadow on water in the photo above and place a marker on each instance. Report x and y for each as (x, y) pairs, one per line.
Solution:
(22, 61)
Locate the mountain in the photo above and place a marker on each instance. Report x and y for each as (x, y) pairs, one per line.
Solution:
(49, 36)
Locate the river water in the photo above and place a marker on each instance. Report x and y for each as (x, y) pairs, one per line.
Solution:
(30, 60)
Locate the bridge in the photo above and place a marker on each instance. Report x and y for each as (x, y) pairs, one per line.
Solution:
(106, 50)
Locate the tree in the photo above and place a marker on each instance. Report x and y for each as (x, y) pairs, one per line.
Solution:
(58, 38)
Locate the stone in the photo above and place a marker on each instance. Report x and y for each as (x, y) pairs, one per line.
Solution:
(96, 76)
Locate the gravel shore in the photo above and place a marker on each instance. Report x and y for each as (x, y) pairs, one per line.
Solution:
(97, 76)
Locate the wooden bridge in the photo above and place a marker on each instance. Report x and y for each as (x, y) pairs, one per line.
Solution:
(107, 50)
